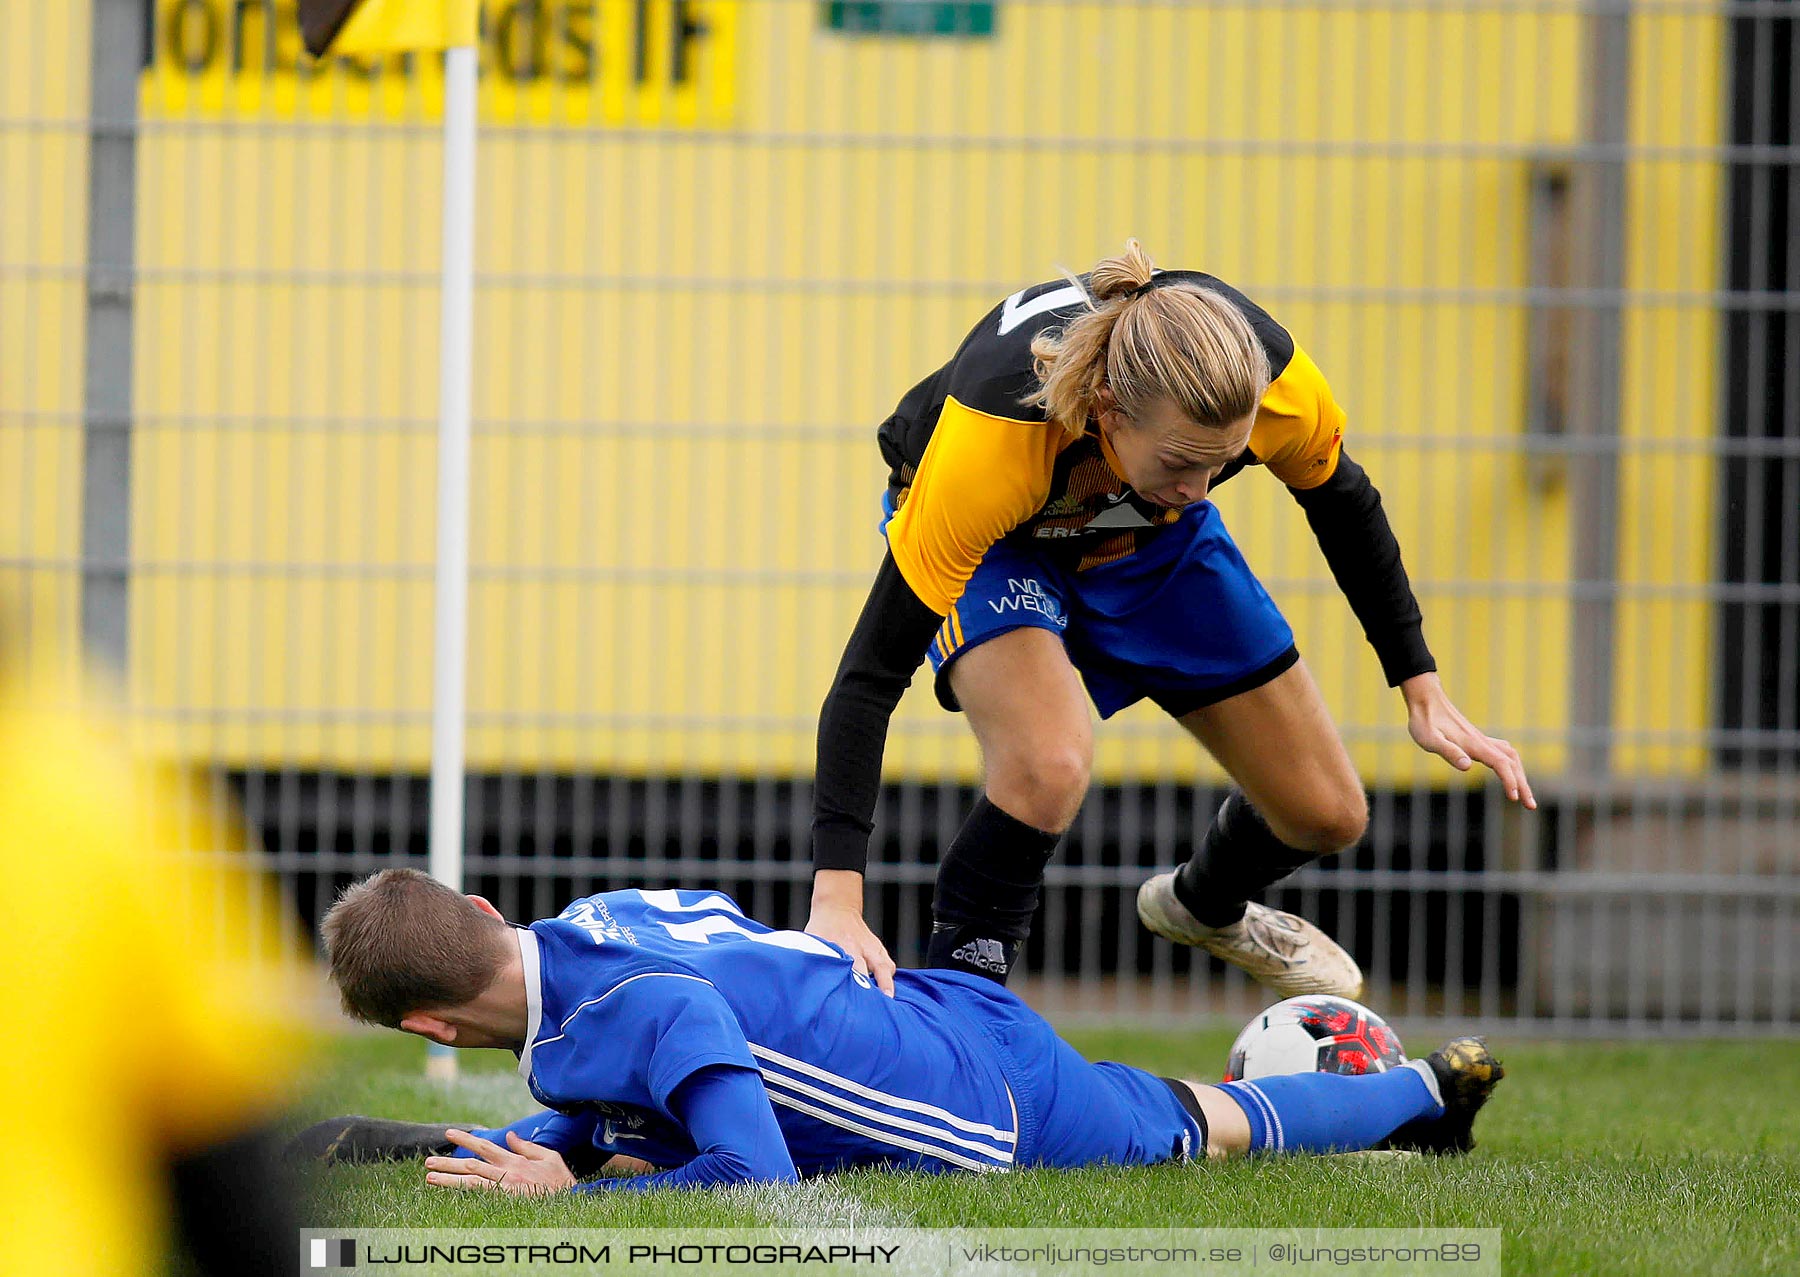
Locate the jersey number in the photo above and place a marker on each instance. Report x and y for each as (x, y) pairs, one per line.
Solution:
(1014, 312)
(702, 930)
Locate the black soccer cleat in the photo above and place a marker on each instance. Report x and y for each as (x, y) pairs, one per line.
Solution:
(1467, 1074)
(369, 1139)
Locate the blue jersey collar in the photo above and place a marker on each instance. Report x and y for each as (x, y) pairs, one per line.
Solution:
(534, 994)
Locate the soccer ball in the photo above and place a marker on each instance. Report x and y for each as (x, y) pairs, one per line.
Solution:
(1314, 1033)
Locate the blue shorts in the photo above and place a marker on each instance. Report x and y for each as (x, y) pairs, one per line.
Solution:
(1183, 621)
(1073, 1112)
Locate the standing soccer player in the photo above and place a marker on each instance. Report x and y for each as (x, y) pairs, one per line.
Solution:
(1049, 527)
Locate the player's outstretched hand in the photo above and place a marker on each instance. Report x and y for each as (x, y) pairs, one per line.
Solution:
(1438, 726)
(845, 928)
(522, 1167)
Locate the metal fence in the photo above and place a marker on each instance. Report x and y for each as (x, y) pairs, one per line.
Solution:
(1543, 250)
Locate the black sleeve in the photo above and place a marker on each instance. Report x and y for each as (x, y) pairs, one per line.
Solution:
(233, 1207)
(890, 640)
(1346, 516)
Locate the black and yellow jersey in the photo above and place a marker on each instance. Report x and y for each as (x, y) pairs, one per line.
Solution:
(971, 462)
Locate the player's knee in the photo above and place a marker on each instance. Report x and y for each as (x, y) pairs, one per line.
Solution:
(1330, 826)
(1043, 786)
(1340, 825)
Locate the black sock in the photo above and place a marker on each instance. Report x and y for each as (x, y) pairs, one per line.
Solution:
(987, 892)
(1237, 858)
(969, 947)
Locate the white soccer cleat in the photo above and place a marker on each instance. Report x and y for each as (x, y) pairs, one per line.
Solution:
(1281, 950)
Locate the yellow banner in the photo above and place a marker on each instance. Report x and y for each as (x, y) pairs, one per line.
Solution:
(654, 62)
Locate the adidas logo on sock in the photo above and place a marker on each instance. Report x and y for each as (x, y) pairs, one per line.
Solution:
(987, 955)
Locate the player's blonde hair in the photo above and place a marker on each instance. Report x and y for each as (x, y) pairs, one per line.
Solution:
(1177, 341)
(402, 941)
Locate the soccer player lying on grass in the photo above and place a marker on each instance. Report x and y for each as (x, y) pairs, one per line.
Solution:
(666, 1026)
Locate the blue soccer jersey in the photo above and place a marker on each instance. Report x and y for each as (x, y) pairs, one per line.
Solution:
(632, 993)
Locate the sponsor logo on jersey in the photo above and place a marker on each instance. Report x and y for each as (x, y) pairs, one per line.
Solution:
(1107, 512)
(1119, 515)
(593, 917)
(1025, 594)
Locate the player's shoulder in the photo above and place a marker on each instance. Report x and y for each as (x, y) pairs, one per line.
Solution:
(610, 912)
(603, 971)
(993, 371)
(1277, 342)
(687, 900)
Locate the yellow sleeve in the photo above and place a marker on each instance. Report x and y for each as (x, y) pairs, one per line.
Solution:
(1299, 428)
(980, 478)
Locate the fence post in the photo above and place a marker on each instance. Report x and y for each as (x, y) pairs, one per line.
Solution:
(1594, 467)
(121, 33)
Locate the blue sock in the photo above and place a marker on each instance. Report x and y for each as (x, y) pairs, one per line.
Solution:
(1331, 1112)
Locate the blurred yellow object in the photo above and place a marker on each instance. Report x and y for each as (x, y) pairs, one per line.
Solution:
(152, 1002)
(385, 26)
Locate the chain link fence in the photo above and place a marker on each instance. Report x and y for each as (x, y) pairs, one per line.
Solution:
(1543, 250)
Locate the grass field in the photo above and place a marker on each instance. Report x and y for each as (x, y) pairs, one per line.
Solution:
(1594, 1158)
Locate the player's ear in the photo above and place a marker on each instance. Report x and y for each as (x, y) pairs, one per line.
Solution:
(486, 906)
(429, 1026)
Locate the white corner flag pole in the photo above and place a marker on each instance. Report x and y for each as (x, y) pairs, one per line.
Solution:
(455, 372)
